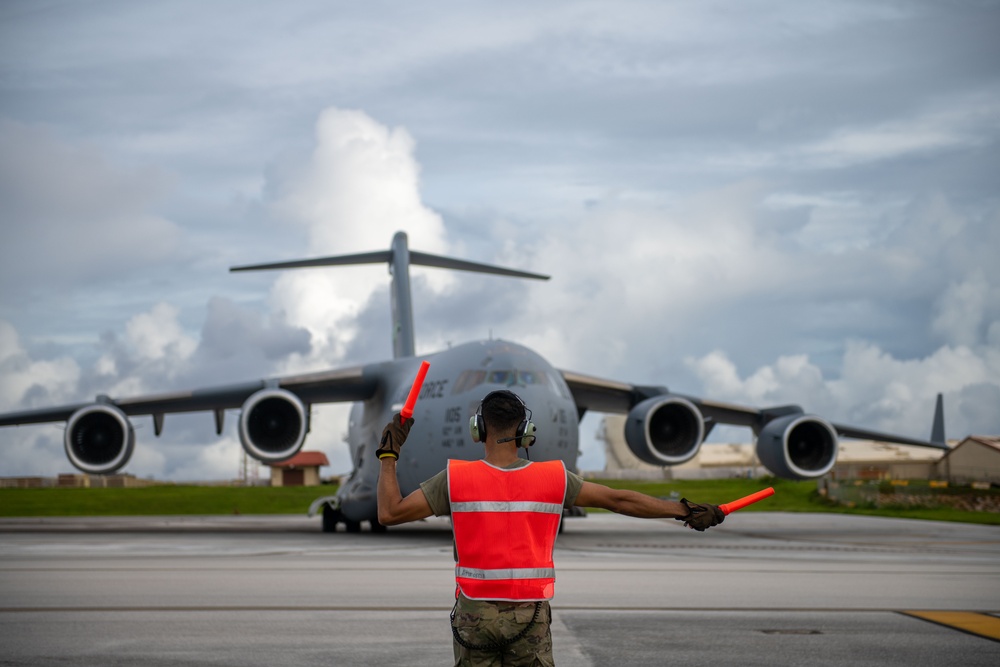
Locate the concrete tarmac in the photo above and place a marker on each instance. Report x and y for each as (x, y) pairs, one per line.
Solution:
(762, 589)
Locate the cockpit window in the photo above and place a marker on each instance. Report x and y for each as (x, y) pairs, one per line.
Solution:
(508, 378)
(467, 380)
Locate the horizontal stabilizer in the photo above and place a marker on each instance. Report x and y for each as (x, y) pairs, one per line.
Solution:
(377, 257)
(385, 256)
(425, 259)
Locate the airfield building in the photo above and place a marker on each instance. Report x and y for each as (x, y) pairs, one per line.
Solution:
(300, 470)
(975, 459)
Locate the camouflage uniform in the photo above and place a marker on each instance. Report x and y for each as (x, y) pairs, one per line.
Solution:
(480, 622)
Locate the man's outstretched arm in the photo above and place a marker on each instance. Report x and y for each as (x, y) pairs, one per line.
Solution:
(633, 503)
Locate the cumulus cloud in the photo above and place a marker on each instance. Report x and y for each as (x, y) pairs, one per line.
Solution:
(358, 188)
(157, 334)
(30, 383)
(873, 389)
(152, 351)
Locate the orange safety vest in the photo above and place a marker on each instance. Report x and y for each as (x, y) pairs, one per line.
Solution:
(506, 521)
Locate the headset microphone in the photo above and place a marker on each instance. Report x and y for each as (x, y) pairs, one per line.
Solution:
(519, 438)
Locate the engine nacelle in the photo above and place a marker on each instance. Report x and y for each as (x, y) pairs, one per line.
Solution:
(99, 439)
(664, 430)
(798, 446)
(273, 425)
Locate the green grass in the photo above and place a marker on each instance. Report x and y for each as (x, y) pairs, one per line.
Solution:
(160, 500)
(214, 500)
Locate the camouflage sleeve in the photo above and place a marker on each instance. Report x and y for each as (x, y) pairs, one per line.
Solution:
(573, 485)
(436, 491)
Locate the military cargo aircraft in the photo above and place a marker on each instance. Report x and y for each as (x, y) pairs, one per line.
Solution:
(662, 428)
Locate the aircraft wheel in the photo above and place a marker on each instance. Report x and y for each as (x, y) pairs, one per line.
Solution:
(378, 528)
(352, 526)
(330, 519)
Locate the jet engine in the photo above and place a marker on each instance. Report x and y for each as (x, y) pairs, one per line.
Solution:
(798, 446)
(664, 430)
(273, 425)
(99, 439)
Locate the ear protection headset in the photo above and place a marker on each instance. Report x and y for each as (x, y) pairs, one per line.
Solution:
(524, 436)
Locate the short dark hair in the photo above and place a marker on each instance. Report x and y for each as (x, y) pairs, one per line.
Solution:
(502, 411)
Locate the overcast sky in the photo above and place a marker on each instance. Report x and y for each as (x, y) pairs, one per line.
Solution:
(761, 202)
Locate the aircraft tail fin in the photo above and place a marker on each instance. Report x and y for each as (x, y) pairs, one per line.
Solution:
(399, 257)
(937, 430)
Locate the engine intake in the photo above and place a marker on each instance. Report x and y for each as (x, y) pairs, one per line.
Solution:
(798, 446)
(99, 439)
(664, 430)
(273, 425)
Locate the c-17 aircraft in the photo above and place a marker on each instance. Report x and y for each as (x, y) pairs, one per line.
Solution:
(662, 428)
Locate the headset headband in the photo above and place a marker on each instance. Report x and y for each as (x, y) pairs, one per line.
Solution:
(524, 435)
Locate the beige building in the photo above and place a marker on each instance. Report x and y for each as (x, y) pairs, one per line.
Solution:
(975, 459)
(869, 459)
(712, 461)
(300, 470)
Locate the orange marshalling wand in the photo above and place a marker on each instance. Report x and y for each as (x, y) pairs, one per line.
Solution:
(727, 508)
(411, 400)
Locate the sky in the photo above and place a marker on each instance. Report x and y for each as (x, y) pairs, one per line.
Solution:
(762, 202)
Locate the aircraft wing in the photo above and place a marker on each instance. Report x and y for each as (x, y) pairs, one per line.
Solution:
(602, 395)
(274, 417)
(348, 384)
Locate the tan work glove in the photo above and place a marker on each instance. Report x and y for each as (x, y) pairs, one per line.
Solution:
(701, 517)
(393, 436)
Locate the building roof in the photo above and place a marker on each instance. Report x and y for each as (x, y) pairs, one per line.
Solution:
(303, 460)
(991, 441)
(988, 440)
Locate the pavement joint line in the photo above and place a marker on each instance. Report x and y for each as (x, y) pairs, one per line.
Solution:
(924, 615)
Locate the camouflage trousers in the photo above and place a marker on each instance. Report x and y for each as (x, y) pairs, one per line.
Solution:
(483, 622)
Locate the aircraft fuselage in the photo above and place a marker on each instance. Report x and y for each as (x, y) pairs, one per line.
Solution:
(456, 382)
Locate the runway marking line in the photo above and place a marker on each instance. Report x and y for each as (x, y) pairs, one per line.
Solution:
(981, 625)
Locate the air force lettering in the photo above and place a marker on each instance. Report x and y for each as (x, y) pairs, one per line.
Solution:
(506, 521)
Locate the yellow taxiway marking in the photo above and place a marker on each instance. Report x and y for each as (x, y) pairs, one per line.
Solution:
(983, 625)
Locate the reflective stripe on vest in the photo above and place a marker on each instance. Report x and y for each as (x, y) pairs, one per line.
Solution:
(519, 573)
(497, 506)
(506, 521)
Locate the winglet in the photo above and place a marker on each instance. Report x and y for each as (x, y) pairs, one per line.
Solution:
(937, 430)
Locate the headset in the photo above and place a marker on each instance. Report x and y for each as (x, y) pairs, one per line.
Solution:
(524, 436)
